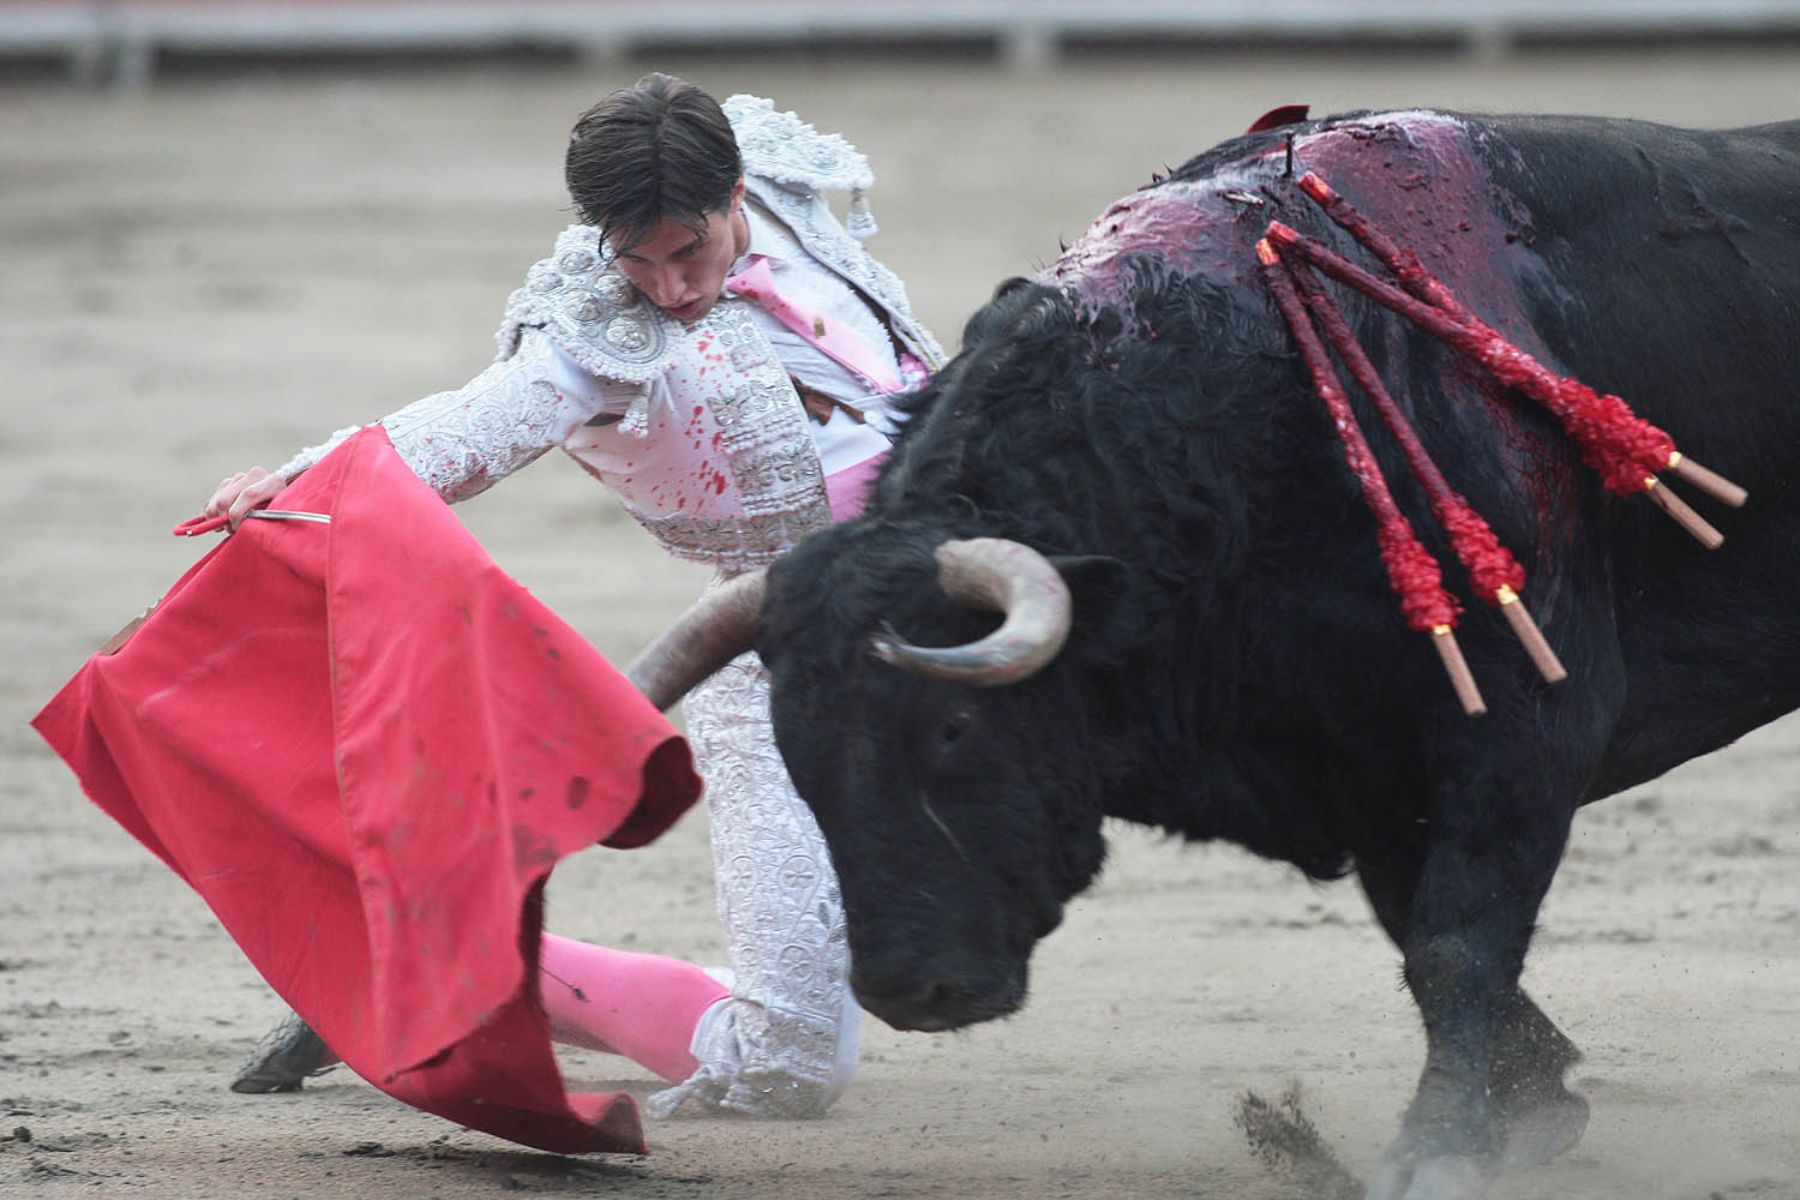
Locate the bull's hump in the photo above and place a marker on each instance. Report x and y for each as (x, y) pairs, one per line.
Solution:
(1189, 226)
(1422, 176)
(1415, 172)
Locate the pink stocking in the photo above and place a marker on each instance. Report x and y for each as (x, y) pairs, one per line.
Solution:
(643, 1006)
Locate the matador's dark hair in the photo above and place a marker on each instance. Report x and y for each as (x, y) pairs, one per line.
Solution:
(659, 148)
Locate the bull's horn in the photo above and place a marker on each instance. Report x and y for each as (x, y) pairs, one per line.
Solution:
(718, 627)
(1003, 576)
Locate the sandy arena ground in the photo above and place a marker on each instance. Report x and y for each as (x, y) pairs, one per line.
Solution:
(218, 271)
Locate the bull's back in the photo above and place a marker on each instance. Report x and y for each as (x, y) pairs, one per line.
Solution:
(1672, 278)
(1675, 254)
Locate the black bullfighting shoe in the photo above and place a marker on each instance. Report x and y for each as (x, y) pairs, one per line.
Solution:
(285, 1056)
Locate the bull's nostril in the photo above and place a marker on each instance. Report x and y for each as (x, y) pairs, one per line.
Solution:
(941, 994)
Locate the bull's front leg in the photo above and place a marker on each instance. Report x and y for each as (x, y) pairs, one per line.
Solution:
(1463, 922)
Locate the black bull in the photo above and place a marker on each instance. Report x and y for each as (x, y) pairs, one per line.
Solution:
(1237, 667)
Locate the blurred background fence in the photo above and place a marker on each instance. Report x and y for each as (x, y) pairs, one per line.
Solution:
(123, 42)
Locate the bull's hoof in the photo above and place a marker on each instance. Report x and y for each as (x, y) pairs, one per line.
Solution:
(1433, 1179)
(1538, 1133)
(285, 1056)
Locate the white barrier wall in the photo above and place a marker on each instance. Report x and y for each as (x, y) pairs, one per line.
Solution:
(118, 40)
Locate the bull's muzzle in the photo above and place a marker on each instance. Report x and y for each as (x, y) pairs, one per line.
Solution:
(935, 1000)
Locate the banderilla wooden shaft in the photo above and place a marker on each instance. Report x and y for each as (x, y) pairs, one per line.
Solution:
(1710, 482)
(1531, 637)
(1684, 516)
(1462, 680)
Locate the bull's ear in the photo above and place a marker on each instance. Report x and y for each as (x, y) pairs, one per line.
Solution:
(1100, 586)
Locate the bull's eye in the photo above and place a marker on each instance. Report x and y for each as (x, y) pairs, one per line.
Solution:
(951, 744)
(958, 723)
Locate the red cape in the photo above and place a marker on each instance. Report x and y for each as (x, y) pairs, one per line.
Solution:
(366, 747)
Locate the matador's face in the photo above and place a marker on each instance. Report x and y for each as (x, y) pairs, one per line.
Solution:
(681, 270)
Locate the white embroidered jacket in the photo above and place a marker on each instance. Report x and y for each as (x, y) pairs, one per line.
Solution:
(713, 456)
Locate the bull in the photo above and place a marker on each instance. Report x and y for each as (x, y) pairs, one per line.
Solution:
(1116, 567)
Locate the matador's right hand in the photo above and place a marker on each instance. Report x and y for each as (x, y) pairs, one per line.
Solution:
(238, 494)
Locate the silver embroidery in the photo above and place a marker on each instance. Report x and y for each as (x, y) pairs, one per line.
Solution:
(734, 543)
(780, 146)
(463, 442)
(590, 311)
(763, 445)
(772, 458)
(628, 335)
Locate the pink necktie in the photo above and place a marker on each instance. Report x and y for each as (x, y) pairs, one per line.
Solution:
(831, 337)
